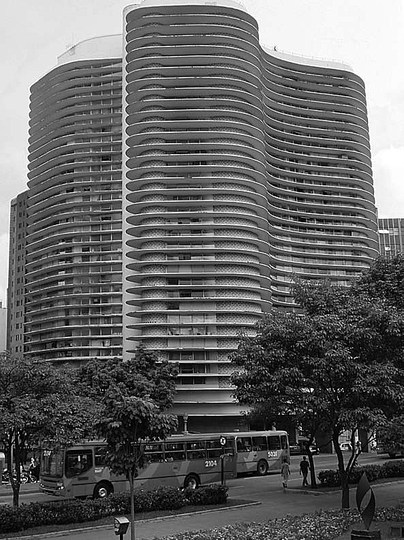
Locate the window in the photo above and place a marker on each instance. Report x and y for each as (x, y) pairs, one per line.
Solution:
(174, 451)
(100, 453)
(259, 443)
(196, 450)
(78, 462)
(284, 442)
(214, 449)
(244, 444)
(153, 453)
(274, 443)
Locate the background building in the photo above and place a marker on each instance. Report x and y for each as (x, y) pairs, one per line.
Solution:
(16, 275)
(74, 240)
(391, 236)
(240, 168)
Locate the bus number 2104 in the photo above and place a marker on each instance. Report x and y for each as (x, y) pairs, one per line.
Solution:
(211, 463)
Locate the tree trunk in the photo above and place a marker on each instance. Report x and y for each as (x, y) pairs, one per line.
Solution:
(14, 475)
(312, 470)
(132, 505)
(344, 491)
(343, 473)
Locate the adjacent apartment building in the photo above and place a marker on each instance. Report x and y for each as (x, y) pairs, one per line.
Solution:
(391, 236)
(177, 185)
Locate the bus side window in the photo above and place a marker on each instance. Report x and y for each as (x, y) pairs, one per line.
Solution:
(244, 444)
(153, 453)
(259, 443)
(284, 442)
(100, 453)
(78, 462)
(174, 452)
(196, 450)
(214, 448)
(274, 443)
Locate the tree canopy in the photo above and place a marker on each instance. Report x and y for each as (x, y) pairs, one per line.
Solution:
(134, 397)
(38, 406)
(336, 365)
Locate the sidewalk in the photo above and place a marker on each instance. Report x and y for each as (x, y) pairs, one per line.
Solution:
(273, 504)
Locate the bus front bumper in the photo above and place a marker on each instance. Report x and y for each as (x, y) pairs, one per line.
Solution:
(57, 489)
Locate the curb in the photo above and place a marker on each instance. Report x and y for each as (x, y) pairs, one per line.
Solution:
(65, 532)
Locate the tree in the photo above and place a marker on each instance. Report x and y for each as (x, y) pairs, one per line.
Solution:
(135, 396)
(38, 405)
(334, 365)
(391, 436)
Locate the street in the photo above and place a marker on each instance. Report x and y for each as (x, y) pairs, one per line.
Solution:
(259, 498)
(250, 487)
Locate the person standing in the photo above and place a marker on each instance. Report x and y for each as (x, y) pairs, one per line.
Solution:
(304, 470)
(285, 473)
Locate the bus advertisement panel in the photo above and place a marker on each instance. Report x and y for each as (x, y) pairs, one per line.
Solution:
(261, 452)
(180, 460)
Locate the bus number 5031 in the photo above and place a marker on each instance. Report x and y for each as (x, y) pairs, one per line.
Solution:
(272, 453)
(211, 463)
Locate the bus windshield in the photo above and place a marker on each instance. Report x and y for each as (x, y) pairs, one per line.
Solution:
(52, 462)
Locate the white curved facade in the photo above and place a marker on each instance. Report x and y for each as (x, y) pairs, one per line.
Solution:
(74, 225)
(241, 168)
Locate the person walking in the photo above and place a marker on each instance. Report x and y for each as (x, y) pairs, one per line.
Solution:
(285, 473)
(304, 470)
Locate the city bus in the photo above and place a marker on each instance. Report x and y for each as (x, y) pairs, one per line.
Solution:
(260, 452)
(180, 460)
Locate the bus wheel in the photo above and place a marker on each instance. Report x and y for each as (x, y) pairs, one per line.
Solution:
(191, 481)
(102, 490)
(262, 467)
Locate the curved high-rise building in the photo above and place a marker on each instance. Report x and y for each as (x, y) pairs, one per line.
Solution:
(74, 225)
(217, 169)
(242, 168)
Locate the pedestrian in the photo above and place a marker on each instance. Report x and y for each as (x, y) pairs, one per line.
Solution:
(304, 470)
(285, 473)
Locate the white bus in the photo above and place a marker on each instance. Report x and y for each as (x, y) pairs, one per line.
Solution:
(261, 452)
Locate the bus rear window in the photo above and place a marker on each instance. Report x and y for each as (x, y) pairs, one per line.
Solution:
(78, 462)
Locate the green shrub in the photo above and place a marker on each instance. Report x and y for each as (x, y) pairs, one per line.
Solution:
(329, 478)
(161, 498)
(78, 511)
(372, 473)
(390, 469)
(206, 495)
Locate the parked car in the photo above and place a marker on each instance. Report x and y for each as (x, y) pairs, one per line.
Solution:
(300, 448)
(295, 449)
(346, 447)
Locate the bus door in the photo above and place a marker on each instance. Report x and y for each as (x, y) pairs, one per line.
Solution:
(216, 452)
(79, 472)
(274, 452)
(245, 455)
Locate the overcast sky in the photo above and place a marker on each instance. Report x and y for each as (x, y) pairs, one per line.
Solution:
(367, 34)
